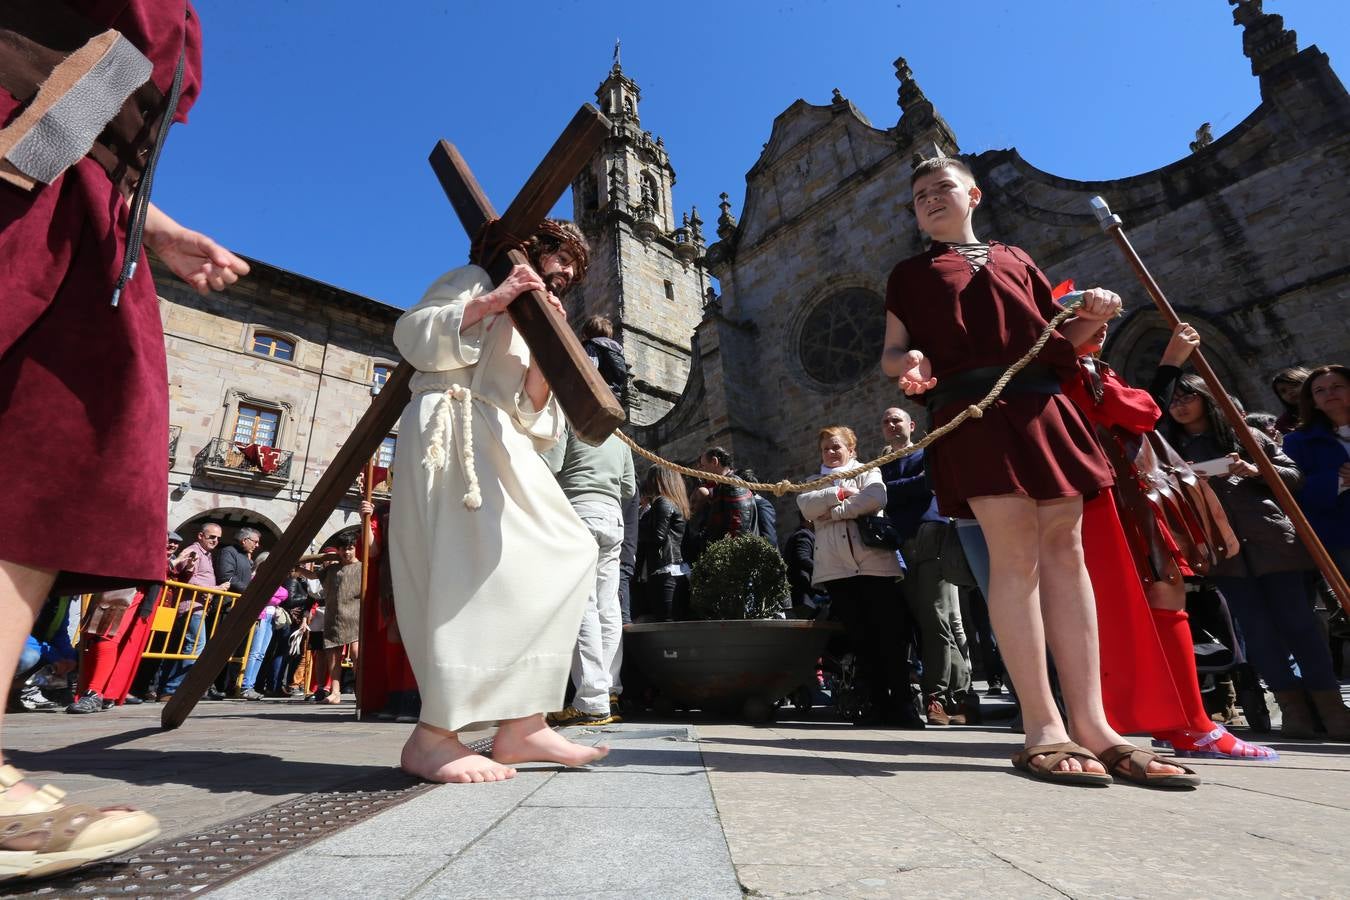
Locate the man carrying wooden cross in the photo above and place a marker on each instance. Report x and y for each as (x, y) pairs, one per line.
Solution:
(491, 567)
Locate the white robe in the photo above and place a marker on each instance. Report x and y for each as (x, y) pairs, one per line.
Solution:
(489, 600)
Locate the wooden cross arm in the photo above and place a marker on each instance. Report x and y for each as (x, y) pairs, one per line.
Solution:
(588, 402)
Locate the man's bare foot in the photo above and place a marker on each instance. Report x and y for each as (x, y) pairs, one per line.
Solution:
(531, 740)
(437, 755)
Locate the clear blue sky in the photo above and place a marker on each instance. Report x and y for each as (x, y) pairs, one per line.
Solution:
(308, 147)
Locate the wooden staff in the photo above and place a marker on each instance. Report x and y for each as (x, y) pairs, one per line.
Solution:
(367, 492)
(1111, 224)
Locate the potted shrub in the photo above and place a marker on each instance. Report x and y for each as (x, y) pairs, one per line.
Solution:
(736, 658)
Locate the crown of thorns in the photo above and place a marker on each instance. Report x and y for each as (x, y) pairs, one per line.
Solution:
(492, 241)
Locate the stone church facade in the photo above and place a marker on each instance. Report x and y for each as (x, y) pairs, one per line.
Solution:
(1241, 235)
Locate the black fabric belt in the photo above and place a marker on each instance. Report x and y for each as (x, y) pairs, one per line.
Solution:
(972, 386)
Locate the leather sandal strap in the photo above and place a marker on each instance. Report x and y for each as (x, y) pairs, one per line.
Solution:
(52, 831)
(41, 800)
(1137, 759)
(1057, 753)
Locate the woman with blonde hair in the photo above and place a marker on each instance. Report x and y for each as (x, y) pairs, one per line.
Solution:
(859, 567)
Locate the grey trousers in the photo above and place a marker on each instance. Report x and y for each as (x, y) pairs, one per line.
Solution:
(935, 606)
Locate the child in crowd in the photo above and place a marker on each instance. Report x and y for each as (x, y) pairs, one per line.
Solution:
(1023, 469)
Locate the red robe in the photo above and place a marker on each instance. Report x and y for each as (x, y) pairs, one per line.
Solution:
(85, 414)
(1139, 689)
(384, 667)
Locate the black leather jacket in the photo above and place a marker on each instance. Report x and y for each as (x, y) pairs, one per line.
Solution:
(660, 533)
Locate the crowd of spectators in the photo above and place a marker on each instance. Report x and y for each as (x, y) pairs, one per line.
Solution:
(870, 551)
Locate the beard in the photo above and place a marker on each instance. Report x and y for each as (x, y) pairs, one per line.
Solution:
(557, 283)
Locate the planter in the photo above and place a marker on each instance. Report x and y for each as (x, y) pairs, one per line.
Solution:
(735, 667)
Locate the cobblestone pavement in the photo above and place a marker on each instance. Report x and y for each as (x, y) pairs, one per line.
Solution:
(807, 808)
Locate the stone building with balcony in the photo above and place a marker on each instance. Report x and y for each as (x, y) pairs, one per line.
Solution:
(266, 381)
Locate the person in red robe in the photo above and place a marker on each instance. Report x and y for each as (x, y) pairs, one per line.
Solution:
(90, 513)
(387, 688)
(1149, 680)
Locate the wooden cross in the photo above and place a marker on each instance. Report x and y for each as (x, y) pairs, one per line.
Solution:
(589, 404)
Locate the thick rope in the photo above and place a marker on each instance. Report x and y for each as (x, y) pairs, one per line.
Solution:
(779, 488)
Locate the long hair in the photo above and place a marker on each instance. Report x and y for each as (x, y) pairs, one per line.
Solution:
(1308, 413)
(663, 482)
(1216, 425)
(1295, 375)
(558, 234)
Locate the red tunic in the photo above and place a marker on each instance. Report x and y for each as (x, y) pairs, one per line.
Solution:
(1037, 445)
(84, 418)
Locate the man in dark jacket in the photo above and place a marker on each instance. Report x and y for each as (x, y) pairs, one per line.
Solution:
(933, 603)
(234, 564)
(766, 517)
(718, 510)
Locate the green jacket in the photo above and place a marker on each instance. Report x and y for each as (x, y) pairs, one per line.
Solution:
(592, 473)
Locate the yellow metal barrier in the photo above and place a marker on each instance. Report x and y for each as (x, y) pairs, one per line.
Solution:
(185, 618)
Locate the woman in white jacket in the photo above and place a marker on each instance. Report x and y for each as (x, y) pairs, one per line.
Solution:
(860, 579)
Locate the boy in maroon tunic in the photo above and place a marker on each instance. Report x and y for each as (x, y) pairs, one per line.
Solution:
(85, 389)
(956, 317)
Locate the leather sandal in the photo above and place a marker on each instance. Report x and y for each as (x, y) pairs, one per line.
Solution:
(1136, 771)
(41, 835)
(1054, 754)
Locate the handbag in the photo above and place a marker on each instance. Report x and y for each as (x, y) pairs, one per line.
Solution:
(877, 531)
(954, 566)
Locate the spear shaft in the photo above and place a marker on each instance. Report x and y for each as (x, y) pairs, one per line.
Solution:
(1111, 224)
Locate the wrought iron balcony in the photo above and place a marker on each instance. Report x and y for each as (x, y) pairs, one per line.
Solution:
(223, 460)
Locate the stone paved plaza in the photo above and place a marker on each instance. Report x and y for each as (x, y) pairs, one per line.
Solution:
(809, 808)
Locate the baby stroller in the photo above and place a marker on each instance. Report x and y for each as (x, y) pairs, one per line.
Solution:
(1218, 653)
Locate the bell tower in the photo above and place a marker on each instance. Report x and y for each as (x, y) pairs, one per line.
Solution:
(646, 272)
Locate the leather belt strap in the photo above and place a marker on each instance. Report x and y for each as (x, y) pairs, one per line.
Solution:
(972, 386)
(88, 92)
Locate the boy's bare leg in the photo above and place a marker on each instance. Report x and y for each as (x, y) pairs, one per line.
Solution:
(1070, 615)
(23, 590)
(438, 755)
(529, 739)
(1010, 524)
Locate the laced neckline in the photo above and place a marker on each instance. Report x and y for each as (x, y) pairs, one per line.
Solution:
(975, 254)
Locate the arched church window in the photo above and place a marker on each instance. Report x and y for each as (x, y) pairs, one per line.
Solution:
(590, 194)
(651, 195)
(840, 338)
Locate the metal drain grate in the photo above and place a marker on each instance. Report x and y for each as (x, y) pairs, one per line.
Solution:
(190, 865)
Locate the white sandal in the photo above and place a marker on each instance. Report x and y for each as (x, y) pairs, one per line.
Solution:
(41, 835)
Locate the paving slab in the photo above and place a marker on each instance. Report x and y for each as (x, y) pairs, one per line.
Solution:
(942, 813)
(809, 808)
(640, 823)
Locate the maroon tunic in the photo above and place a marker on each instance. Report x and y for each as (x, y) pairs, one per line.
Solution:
(1037, 445)
(84, 412)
